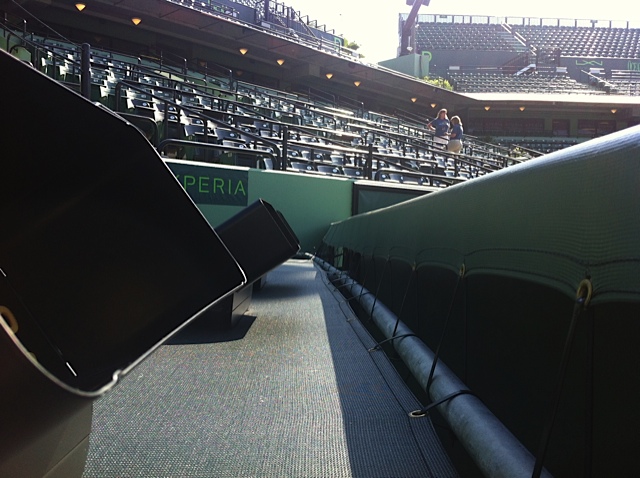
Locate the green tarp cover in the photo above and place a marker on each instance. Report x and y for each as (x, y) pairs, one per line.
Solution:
(555, 220)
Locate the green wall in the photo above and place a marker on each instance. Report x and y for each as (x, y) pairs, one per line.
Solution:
(309, 203)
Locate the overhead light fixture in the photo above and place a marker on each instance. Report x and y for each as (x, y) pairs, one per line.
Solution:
(136, 20)
(487, 108)
(521, 108)
(357, 82)
(433, 105)
(329, 76)
(414, 99)
(244, 50)
(80, 6)
(613, 110)
(280, 61)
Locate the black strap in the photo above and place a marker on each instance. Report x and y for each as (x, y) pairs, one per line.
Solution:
(428, 408)
(379, 344)
(444, 330)
(566, 353)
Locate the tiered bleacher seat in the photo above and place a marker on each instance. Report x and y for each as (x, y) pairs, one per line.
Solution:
(625, 82)
(474, 82)
(173, 107)
(463, 36)
(570, 40)
(584, 41)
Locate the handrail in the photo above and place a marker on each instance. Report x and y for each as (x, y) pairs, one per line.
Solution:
(199, 144)
(449, 180)
(600, 82)
(24, 23)
(300, 21)
(154, 126)
(181, 66)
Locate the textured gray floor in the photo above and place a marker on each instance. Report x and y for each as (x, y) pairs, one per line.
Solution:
(292, 392)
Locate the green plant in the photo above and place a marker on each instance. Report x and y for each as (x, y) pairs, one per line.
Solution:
(439, 82)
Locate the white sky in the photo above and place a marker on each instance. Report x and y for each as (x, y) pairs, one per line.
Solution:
(373, 24)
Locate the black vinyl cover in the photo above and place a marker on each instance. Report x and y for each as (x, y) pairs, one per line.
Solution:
(102, 254)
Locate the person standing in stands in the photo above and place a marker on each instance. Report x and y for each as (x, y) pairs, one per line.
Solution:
(455, 137)
(441, 127)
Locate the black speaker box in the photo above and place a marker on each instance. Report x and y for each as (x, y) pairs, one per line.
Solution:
(259, 238)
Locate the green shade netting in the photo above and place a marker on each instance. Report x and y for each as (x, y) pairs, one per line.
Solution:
(554, 220)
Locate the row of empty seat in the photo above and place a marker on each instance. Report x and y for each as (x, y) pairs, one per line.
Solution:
(624, 82)
(584, 41)
(571, 41)
(333, 141)
(464, 36)
(531, 82)
(190, 115)
(541, 145)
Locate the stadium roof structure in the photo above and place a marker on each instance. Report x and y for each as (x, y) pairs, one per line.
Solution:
(306, 62)
(286, 60)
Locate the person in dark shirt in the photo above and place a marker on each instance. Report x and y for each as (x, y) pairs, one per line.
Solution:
(455, 137)
(440, 125)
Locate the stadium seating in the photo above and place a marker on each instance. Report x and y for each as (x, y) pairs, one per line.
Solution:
(249, 124)
(474, 82)
(625, 82)
(584, 41)
(464, 36)
(530, 43)
(570, 40)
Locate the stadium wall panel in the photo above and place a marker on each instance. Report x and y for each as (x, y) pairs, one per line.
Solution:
(310, 203)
